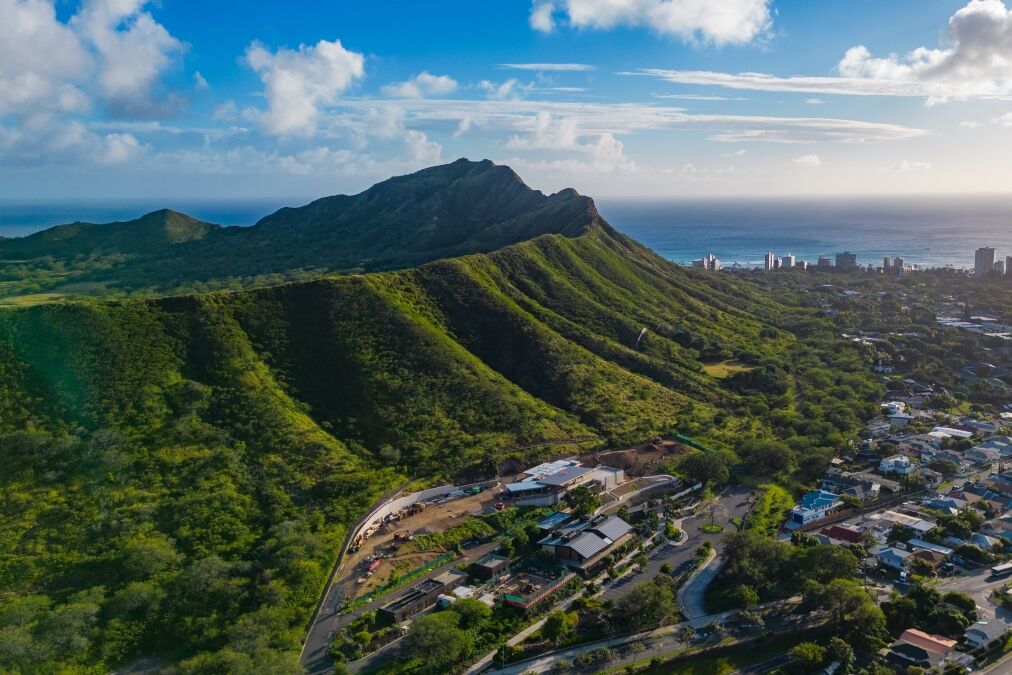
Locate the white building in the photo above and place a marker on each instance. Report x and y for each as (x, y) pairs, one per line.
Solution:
(898, 464)
(814, 506)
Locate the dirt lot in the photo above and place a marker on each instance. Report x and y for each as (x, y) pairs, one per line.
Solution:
(432, 519)
(641, 460)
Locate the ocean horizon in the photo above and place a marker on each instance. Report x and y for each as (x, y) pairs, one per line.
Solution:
(924, 231)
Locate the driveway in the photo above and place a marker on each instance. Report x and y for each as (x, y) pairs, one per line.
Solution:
(734, 499)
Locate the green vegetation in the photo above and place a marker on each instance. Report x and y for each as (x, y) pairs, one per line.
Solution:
(770, 511)
(179, 472)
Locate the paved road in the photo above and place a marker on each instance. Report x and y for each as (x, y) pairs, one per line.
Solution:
(734, 499)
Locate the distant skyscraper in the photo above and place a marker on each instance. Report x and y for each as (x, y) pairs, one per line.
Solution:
(999, 267)
(898, 263)
(824, 262)
(787, 262)
(710, 262)
(1008, 264)
(846, 260)
(770, 260)
(887, 263)
(983, 261)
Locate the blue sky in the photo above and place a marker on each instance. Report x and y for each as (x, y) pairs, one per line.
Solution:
(126, 98)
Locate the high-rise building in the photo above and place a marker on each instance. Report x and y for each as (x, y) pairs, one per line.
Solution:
(983, 261)
(846, 260)
(801, 265)
(824, 262)
(787, 262)
(710, 262)
(898, 263)
(999, 267)
(1008, 264)
(770, 260)
(887, 263)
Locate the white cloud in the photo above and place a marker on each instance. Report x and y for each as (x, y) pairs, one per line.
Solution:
(421, 149)
(700, 97)
(1003, 120)
(200, 82)
(814, 101)
(723, 22)
(422, 84)
(969, 124)
(133, 51)
(977, 63)
(605, 152)
(521, 116)
(736, 153)
(549, 67)
(907, 165)
(119, 148)
(511, 88)
(808, 160)
(298, 81)
(42, 61)
(226, 111)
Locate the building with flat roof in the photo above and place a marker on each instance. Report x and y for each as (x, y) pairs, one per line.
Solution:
(420, 597)
(983, 261)
(846, 261)
(814, 506)
(529, 588)
(546, 484)
(489, 567)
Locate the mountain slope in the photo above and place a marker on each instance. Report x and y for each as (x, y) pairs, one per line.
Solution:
(178, 472)
(455, 209)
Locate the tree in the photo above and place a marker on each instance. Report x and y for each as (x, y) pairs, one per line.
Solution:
(855, 613)
(747, 596)
(708, 468)
(647, 605)
(559, 625)
(582, 500)
(808, 656)
(841, 652)
(473, 613)
(439, 640)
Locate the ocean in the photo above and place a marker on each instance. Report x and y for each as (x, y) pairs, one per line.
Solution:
(927, 231)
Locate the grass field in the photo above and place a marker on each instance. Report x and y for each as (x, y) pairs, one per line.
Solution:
(724, 369)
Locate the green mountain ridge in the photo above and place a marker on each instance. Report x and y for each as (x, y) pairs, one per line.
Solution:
(178, 472)
(444, 211)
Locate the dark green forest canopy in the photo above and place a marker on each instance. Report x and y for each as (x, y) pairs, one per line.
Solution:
(178, 473)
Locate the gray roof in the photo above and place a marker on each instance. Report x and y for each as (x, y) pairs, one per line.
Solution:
(564, 476)
(992, 630)
(588, 544)
(613, 528)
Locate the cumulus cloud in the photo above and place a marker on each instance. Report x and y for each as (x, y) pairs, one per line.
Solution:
(907, 165)
(543, 132)
(298, 81)
(421, 149)
(133, 51)
(111, 50)
(976, 63)
(808, 160)
(969, 124)
(723, 22)
(422, 84)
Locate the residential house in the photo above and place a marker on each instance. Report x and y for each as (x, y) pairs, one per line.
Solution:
(900, 419)
(860, 486)
(896, 464)
(982, 455)
(920, 544)
(932, 479)
(917, 648)
(546, 484)
(981, 634)
(950, 505)
(894, 558)
(840, 534)
(954, 431)
(814, 506)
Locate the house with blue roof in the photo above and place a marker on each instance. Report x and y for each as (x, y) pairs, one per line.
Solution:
(814, 506)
